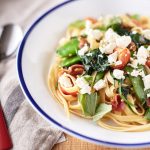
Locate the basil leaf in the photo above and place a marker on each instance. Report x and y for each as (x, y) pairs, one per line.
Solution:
(102, 110)
(88, 103)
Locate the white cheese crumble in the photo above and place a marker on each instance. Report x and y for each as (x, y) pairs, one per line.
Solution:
(135, 73)
(83, 84)
(123, 41)
(99, 85)
(108, 49)
(142, 55)
(146, 81)
(118, 74)
(134, 63)
(139, 72)
(112, 58)
(83, 50)
(110, 35)
(146, 33)
(65, 81)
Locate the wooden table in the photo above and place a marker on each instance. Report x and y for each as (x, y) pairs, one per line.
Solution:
(77, 144)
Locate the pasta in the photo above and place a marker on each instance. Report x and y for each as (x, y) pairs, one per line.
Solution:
(102, 71)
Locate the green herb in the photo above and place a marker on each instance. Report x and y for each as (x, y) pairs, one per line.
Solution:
(147, 114)
(139, 40)
(95, 61)
(69, 49)
(88, 103)
(102, 110)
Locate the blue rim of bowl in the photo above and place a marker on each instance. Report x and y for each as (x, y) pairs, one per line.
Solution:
(33, 102)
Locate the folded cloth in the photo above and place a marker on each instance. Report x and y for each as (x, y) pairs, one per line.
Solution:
(28, 130)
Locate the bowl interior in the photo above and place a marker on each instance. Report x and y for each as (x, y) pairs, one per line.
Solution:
(36, 54)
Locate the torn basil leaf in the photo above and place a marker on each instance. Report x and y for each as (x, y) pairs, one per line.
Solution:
(88, 103)
(102, 110)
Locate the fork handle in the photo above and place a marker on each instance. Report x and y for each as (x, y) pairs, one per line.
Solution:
(5, 140)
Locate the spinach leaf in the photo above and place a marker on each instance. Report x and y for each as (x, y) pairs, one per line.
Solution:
(95, 61)
(88, 103)
(102, 110)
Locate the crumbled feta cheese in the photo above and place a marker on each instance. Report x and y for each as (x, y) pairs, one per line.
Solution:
(139, 72)
(118, 74)
(119, 62)
(108, 49)
(95, 34)
(85, 89)
(110, 35)
(123, 41)
(65, 81)
(146, 81)
(142, 55)
(135, 73)
(146, 33)
(99, 85)
(83, 84)
(83, 50)
(112, 58)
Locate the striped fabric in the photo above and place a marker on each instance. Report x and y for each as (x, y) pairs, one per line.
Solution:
(28, 130)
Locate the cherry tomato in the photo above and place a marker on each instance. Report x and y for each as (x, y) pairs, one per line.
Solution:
(123, 57)
(148, 62)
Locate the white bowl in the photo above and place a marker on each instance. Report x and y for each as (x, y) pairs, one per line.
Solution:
(35, 55)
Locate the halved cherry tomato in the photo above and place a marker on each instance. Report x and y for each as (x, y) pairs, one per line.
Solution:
(93, 20)
(117, 104)
(148, 62)
(123, 57)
